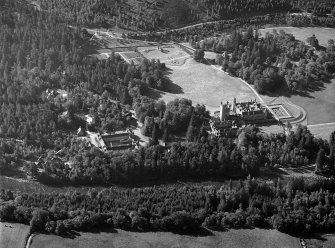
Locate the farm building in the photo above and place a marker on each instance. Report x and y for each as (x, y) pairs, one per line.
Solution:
(115, 141)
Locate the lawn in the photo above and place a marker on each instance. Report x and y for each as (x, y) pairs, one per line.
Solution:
(200, 82)
(322, 34)
(324, 241)
(233, 238)
(319, 105)
(13, 235)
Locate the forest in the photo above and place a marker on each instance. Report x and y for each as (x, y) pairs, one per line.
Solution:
(299, 207)
(152, 15)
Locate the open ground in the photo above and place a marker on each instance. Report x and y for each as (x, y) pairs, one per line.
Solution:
(232, 238)
(13, 235)
(200, 82)
(321, 241)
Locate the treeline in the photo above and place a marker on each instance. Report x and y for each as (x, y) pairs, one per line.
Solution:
(300, 207)
(273, 61)
(220, 9)
(145, 15)
(210, 29)
(206, 157)
(318, 8)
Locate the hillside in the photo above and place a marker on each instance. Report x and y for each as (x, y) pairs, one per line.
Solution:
(153, 14)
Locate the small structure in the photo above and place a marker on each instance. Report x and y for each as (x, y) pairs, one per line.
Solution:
(116, 141)
(225, 128)
(62, 93)
(81, 132)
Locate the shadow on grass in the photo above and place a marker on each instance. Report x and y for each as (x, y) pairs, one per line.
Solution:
(72, 234)
(318, 85)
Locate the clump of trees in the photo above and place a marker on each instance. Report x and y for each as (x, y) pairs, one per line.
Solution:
(274, 61)
(199, 55)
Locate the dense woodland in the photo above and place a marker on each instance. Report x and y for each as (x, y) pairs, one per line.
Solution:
(205, 157)
(150, 15)
(300, 207)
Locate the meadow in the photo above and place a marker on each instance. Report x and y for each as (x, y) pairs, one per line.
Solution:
(13, 235)
(201, 82)
(232, 238)
(321, 241)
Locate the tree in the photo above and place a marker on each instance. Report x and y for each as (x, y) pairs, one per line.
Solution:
(260, 85)
(154, 135)
(313, 41)
(319, 160)
(7, 212)
(39, 219)
(60, 227)
(190, 130)
(199, 55)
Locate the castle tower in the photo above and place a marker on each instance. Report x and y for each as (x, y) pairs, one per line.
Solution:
(233, 107)
(224, 111)
(221, 112)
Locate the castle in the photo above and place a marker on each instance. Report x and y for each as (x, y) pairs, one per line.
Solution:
(248, 111)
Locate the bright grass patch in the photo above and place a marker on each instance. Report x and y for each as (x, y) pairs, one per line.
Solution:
(13, 235)
(233, 238)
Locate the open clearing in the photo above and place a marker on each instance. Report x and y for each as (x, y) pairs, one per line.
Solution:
(202, 83)
(322, 34)
(28, 186)
(233, 238)
(13, 235)
(170, 54)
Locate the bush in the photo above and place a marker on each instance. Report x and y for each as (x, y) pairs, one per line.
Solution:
(179, 221)
(7, 212)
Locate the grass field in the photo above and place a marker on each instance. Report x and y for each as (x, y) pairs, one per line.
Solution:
(324, 241)
(13, 235)
(257, 238)
(319, 105)
(202, 83)
(322, 131)
(322, 34)
(31, 186)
